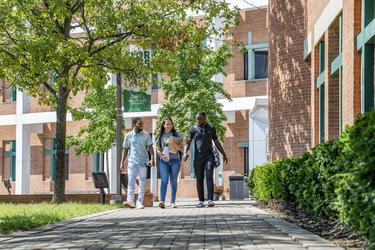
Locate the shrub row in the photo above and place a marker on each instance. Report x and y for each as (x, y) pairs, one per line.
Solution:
(337, 179)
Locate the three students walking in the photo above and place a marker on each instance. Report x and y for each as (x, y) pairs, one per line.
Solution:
(170, 148)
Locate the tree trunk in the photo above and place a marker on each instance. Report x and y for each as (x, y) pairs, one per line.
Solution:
(59, 192)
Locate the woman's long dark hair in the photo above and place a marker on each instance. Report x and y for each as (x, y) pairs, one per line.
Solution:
(162, 130)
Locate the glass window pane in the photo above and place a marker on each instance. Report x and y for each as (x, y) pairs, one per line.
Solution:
(261, 64)
(246, 67)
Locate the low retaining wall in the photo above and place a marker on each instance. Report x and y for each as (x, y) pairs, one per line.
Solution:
(84, 198)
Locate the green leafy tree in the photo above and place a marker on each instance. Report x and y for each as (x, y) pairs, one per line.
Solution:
(79, 42)
(99, 109)
(192, 89)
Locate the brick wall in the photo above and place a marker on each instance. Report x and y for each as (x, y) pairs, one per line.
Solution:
(6, 106)
(351, 80)
(236, 132)
(283, 63)
(315, 95)
(331, 84)
(289, 89)
(234, 84)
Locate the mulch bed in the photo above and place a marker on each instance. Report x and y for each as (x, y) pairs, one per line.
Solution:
(333, 231)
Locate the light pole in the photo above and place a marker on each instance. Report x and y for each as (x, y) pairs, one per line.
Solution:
(118, 132)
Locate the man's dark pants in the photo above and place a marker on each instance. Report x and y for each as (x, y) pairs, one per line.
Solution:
(202, 165)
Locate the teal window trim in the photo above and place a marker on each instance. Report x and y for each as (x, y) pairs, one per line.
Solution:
(365, 43)
(320, 85)
(192, 155)
(243, 144)
(96, 161)
(321, 114)
(336, 64)
(367, 87)
(320, 80)
(13, 94)
(52, 152)
(336, 67)
(251, 48)
(321, 56)
(12, 160)
(366, 35)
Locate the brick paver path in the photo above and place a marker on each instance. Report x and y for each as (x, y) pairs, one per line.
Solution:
(229, 225)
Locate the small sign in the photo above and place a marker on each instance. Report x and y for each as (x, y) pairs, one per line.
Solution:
(136, 101)
(99, 179)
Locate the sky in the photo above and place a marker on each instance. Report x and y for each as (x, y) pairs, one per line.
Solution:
(242, 4)
(245, 4)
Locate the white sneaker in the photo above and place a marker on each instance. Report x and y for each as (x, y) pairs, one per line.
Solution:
(129, 204)
(140, 205)
(173, 205)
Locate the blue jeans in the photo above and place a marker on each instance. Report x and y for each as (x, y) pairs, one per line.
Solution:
(169, 170)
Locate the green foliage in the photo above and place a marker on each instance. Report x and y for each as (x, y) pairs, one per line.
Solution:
(99, 109)
(355, 186)
(336, 180)
(192, 89)
(265, 182)
(20, 217)
(37, 37)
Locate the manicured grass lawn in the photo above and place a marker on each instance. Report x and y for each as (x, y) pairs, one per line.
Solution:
(20, 217)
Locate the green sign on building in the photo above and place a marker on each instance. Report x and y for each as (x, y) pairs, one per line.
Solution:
(136, 101)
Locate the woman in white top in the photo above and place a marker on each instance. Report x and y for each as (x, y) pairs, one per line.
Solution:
(169, 145)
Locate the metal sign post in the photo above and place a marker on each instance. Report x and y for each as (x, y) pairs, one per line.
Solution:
(100, 181)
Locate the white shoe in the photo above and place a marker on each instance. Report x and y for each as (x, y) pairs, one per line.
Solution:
(129, 204)
(140, 205)
(173, 205)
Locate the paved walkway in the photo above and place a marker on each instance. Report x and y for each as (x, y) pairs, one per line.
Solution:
(229, 225)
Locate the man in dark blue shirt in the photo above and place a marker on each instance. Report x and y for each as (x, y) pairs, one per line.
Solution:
(203, 135)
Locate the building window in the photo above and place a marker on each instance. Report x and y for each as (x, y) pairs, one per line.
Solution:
(13, 94)
(52, 153)
(255, 59)
(320, 86)
(96, 162)
(246, 65)
(261, 64)
(336, 68)
(12, 160)
(246, 160)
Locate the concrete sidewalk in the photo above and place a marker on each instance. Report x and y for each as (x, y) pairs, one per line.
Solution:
(228, 225)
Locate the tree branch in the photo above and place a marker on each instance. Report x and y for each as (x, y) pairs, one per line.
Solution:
(50, 89)
(58, 26)
(14, 58)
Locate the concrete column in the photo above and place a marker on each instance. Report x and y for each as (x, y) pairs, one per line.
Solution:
(154, 173)
(112, 170)
(258, 126)
(251, 141)
(22, 145)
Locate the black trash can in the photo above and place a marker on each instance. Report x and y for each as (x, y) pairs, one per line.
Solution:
(236, 188)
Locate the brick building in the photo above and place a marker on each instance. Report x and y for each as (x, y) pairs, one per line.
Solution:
(321, 70)
(27, 130)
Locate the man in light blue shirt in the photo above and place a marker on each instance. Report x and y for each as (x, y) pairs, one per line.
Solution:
(137, 143)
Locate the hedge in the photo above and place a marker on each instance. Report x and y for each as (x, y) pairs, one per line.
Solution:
(337, 179)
